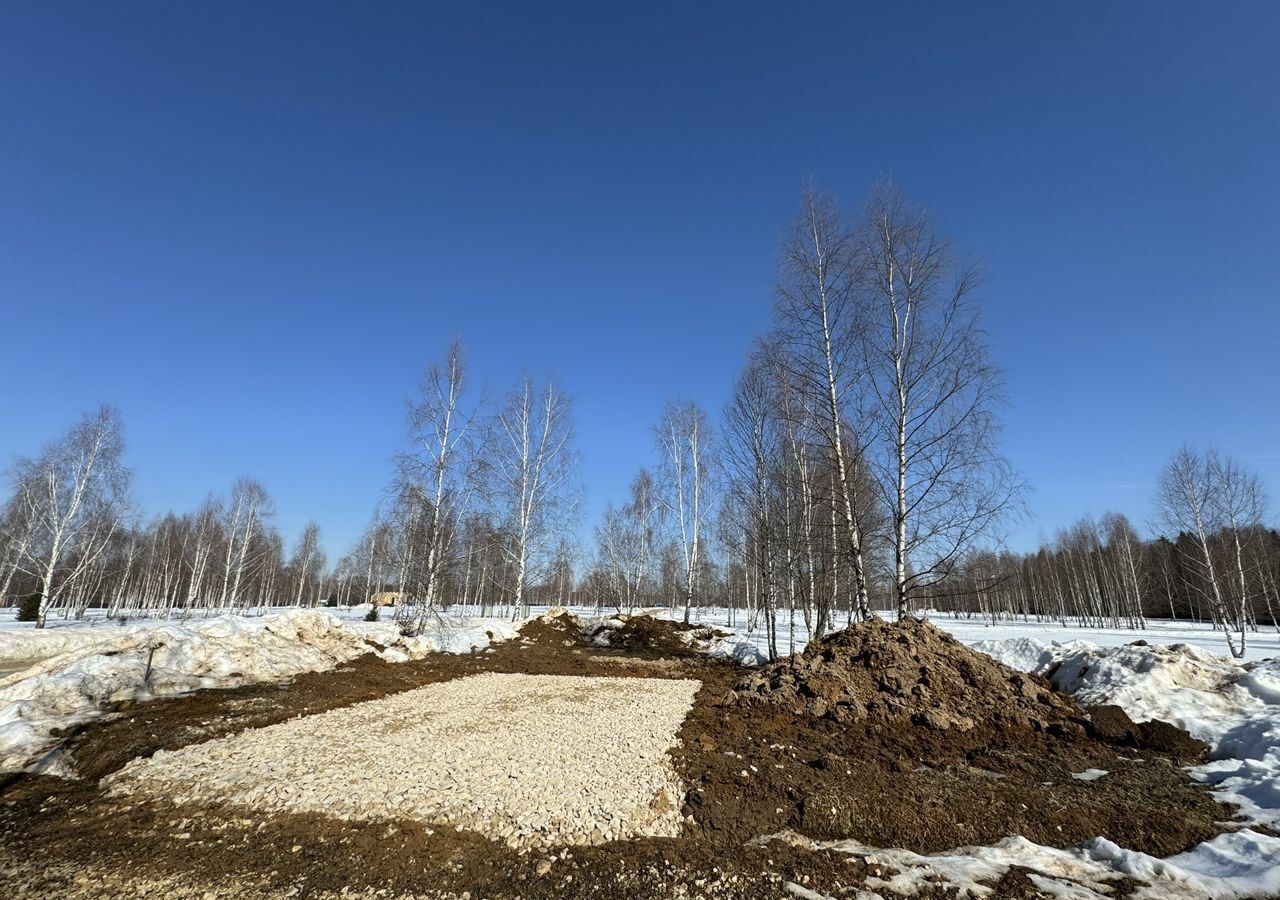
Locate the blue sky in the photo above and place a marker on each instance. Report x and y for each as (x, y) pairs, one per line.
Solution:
(251, 226)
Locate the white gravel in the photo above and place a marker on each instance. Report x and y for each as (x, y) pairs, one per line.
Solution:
(532, 760)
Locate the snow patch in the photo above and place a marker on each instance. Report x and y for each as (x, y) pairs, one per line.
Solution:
(1229, 866)
(143, 662)
(1089, 774)
(732, 647)
(1241, 864)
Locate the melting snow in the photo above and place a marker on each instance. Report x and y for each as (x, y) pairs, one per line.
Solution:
(141, 662)
(1089, 774)
(1234, 707)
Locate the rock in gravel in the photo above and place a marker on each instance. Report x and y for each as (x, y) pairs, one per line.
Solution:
(531, 760)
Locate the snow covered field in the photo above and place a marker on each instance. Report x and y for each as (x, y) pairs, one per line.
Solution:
(1262, 645)
(1177, 676)
(64, 634)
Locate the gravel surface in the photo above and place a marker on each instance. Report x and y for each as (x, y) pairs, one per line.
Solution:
(532, 760)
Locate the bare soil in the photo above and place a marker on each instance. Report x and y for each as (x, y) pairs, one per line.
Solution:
(649, 635)
(759, 755)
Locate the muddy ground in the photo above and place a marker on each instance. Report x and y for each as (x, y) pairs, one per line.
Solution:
(754, 765)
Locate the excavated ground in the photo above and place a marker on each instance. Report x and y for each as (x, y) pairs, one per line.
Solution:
(890, 736)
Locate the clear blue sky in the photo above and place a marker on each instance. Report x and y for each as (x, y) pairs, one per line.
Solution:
(251, 225)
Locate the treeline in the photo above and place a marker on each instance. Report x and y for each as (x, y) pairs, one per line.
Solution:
(856, 464)
(477, 514)
(70, 540)
(1216, 562)
(856, 467)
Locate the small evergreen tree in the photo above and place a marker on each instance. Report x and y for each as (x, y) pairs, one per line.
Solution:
(29, 608)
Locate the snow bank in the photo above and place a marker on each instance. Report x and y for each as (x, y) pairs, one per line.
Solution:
(1230, 866)
(1243, 864)
(1234, 707)
(735, 648)
(445, 636)
(73, 686)
(41, 643)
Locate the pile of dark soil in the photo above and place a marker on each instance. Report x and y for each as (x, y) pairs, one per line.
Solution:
(1112, 724)
(913, 672)
(557, 627)
(646, 634)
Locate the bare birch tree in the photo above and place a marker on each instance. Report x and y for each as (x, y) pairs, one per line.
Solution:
(1188, 499)
(308, 560)
(17, 526)
(206, 531)
(71, 500)
(625, 543)
(818, 324)
(438, 472)
(1241, 510)
(685, 439)
(530, 459)
(750, 448)
(934, 393)
(249, 509)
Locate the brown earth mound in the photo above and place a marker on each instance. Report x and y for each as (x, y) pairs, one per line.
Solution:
(556, 626)
(911, 672)
(1112, 724)
(899, 735)
(646, 633)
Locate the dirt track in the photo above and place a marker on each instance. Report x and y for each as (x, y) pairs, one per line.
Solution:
(750, 770)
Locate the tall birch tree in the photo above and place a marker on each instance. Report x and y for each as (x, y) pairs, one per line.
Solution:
(1188, 499)
(71, 499)
(437, 471)
(685, 440)
(933, 395)
(531, 462)
(818, 324)
(308, 560)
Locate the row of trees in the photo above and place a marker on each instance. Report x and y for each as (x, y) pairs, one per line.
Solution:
(858, 454)
(70, 536)
(1213, 560)
(856, 465)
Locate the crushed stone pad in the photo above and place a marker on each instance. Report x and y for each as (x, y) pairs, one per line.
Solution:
(532, 760)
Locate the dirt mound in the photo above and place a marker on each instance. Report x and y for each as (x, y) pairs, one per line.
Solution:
(899, 735)
(647, 634)
(555, 626)
(1112, 724)
(910, 672)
